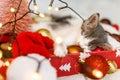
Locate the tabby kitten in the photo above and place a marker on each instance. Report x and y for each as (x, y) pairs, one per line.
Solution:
(93, 35)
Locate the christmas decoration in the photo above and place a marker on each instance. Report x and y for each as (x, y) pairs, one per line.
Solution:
(63, 7)
(74, 49)
(1, 77)
(66, 66)
(7, 14)
(98, 49)
(30, 42)
(95, 66)
(112, 66)
(115, 26)
(5, 46)
(1, 54)
(3, 66)
(44, 32)
(5, 38)
(31, 67)
(69, 66)
(15, 20)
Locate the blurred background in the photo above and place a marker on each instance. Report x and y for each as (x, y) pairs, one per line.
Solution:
(107, 8)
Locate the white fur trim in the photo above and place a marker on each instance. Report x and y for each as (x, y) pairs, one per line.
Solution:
(112, 76)
(22, 68)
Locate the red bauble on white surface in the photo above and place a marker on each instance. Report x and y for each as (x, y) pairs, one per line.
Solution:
(95, 66)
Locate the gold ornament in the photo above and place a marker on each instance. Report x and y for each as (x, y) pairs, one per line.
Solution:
(112, 66)
(44, 32)
(74, 49)
(1, 54)
(5, 46)
(1, 77)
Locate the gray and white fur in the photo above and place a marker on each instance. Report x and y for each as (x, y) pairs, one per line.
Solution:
(93, 35)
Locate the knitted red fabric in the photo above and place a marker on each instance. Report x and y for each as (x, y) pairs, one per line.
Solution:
(30, 42)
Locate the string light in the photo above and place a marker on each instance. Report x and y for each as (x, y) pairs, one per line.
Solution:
(1, 54)
(12, 9)
(59, 40)
(66, 6)
(35, 7)
(1, 25)
(97, 73)
(17, 19)
(57, 8)
(49, 7)
(36, 76)
(7, 63)
(42, 15)
(9, 48)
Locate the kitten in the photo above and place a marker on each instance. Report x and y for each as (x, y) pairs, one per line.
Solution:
(89, 36)
(93, 34)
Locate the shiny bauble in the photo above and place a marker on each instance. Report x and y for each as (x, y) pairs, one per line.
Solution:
(98, 49)
(1, 53)
(1, 77)
(5, 46)
(44, 32)
(112, 66)
(74, 49)
(95, 66)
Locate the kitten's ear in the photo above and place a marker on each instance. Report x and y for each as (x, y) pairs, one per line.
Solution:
(94, 19)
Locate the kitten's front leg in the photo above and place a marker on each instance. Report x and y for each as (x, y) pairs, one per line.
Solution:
(60, 50)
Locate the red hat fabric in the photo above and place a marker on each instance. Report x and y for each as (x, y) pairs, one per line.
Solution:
(5, 38)
(31, 42)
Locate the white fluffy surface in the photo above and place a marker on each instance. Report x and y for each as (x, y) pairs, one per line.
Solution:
(71, 35)
(110, 29)
(113, 76)
(73, 77)
(22, 68)
(115, 44)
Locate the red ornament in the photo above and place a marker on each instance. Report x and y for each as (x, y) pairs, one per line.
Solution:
(95, 66)
(98, 49)
(116, 26)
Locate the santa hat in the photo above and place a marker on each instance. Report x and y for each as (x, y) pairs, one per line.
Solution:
(31, 42)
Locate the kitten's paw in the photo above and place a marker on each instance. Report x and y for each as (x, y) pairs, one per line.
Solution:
(60, 50)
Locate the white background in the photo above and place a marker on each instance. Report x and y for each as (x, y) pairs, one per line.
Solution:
(107, 8)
